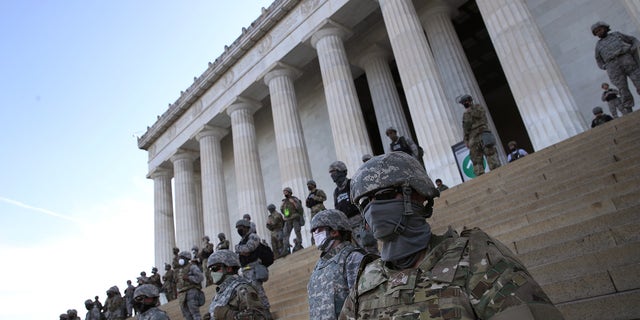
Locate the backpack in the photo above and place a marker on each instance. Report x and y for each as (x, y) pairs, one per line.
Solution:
(265, 254)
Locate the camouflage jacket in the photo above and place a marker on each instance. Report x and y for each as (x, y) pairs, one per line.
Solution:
(236, 295)
(206, 251)
(315, 200)
(193, 277)
(222, 245)
(291, 210)
(115, 307)
(614, 45)
(474, 121)
(471, 276)
(155, 280)
(275, 221)
(334, 275)
(153, 314)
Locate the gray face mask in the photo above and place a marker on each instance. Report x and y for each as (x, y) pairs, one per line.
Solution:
(401, 234)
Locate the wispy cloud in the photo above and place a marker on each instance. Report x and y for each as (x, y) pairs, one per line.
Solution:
(40, 210)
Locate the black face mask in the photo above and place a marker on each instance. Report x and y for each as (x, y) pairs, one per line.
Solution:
(241, 232)
(339, 177)
(141, 307)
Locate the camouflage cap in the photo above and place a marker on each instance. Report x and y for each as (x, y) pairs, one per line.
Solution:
(271, 207)
(332, 218)
(311, 182)
(462, 98)
(338, 166)
(393, 169)
(598, 25)
(185, 255)
(243, 223)
(225, 257)
(597, 110)
(287, 189)
(147, 290)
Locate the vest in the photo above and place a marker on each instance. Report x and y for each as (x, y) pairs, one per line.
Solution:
(328, 286)
(342, 200)
(401, 145)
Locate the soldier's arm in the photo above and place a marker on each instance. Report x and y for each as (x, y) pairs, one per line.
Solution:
(252, 243)
(499, 285)
(352, 266)
(633, 41)
(195, 275)
(600, 61)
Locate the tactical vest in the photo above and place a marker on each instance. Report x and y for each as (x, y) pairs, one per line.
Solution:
(401, 145)
(329, 283)
(342, 200)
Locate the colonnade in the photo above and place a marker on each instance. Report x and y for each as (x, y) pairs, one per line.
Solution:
(432, 73)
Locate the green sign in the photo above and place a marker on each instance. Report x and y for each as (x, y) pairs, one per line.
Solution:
(467, 166)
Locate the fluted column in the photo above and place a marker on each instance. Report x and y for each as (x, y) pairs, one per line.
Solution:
(547, 108)
(249, 183)
(453, 64)
(214, 197)
(293, 159)
(189, 229)
(347, 123)
(422, 84)
(164, 233)
(633, 7)
(384, 94)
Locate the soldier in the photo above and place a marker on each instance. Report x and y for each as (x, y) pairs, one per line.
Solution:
(128, 298)
(515, 153)
(441, 186)
(97, 303)
(169, 286)
(477, 136)
(207, 250)
(252, 267)
(174, 263)
(236, 297)
(420, 275)
(617, 53)
(155, 278)
(114, 307)
(292, 210)
(336, 270)
(342, 202)
(612, 98)
(143, 279)
(224, 243)
(247, 217)
(599, 117)
(275, 224)
(64, 316)
(146, 301)
(188, 283)
(72, 314)
(315, 200)
(93, 312)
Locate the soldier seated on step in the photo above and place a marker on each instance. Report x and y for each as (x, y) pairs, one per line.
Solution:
(423, 275)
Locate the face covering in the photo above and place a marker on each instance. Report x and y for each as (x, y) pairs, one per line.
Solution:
(217, 277)
(323, 242)
(141, 307)
(401, 235)
(338, 176)
(181, 262)
(241, 232)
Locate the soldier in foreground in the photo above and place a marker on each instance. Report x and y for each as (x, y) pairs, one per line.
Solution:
(145, 301)
(336, 271)
(236, 297)
(424, 276)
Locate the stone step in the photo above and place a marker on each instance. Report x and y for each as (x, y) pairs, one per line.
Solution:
(623, 305)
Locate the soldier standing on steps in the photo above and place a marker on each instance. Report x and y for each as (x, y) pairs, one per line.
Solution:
(275, 224)
(477, 136)
(422, 275)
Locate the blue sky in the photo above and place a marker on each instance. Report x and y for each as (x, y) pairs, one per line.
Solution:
(79, 80)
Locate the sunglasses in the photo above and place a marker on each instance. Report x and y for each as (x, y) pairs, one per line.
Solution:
(216, 267)
(382, 194)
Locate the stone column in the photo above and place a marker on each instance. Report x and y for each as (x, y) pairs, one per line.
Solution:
(633, 7)
(214, 197)
(548, 110)
(347, 123)
(453, 64)
(293, 159)
(428, 103)
(249, 183)
(384, 94)
(164, 234)
(189, 229)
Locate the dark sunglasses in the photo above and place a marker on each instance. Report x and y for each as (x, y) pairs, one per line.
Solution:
(382, 194)
(216, 267)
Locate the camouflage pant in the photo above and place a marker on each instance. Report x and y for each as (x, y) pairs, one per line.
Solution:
(250, 274)
(618, 71)
(293, 223)
(189, 304)
(477, 150)
(276, 242)
(615, 105)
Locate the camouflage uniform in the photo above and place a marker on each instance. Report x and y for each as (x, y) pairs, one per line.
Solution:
(611, 97)
(128, 298)
(155, 279)
(617, 54)
(234, 296)
(315, 201)
(275, 223)
(188, 283)
(204, 254)
(335, 273)
(223, 244)
(114, 306)
(169, 286)
(153, 314)
(474, 123)
(252, 269)
(93, 312)
(292, 211)
(472, 276)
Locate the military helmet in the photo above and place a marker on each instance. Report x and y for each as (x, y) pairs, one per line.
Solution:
(226, 257)
(288, 190)
(390, 129)
(147, 290)
(311, 182)
(113, 289)
(395, 169)
(246, 216)
(73, 313)
(88, 303)
(462, 98)
(243, 223)
(598, 25)
(185, 255)
(222, 235)
(271, 207)
(597, 110)
(154, 269)
(332, 218)
(206, 238)
(338, 166)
